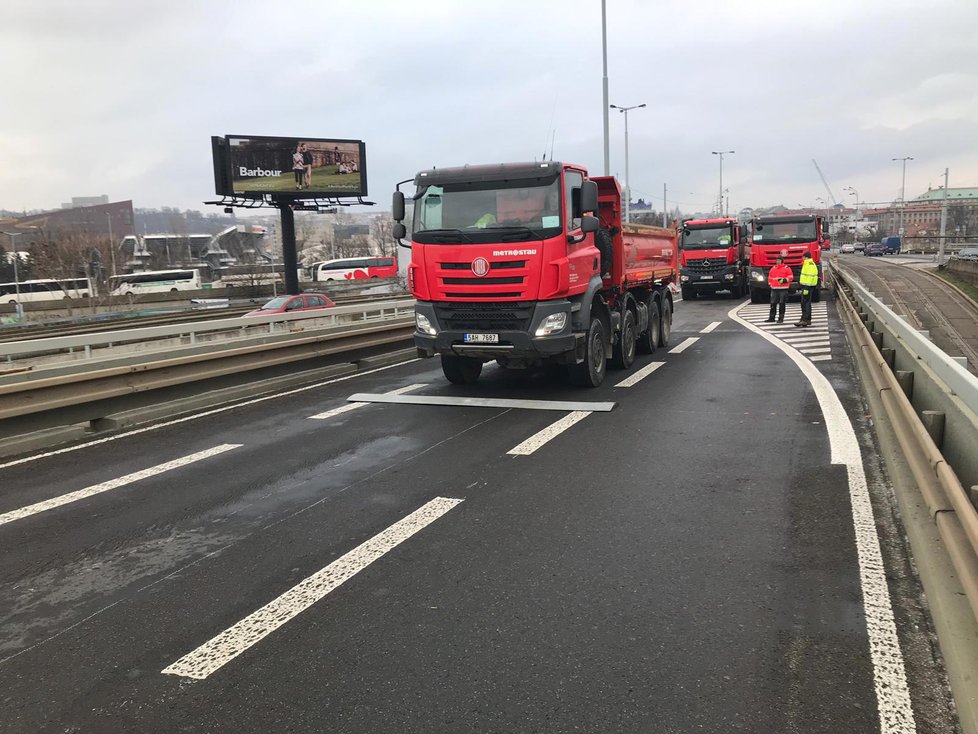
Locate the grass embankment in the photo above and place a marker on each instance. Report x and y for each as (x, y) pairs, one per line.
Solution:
(968, 287)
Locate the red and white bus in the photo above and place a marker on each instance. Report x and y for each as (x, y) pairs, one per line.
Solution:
(354, 268)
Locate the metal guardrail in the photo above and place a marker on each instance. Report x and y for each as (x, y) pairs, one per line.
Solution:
(89, 342)
(909, 373)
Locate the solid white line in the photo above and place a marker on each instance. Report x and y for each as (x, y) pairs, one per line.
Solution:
(640, 374)
(236, 639)
(353, 406)
(889, 671)
(711, 327)
(684, 345)
(112, 484)
(195, 416)
(552, 431)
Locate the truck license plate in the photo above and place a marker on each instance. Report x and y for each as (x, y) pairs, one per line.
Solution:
(481, 338)
(706, 277)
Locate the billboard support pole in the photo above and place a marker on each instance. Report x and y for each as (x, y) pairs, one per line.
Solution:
(290, 258)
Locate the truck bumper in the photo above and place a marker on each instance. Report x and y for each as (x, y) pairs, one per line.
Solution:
(518, 342)
(706, 282)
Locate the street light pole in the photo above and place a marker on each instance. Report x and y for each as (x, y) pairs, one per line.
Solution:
(721, 153)
(940, 252)
(903, 190)
(628, 188)
(13, 247)
(108, 217)
(604, 87)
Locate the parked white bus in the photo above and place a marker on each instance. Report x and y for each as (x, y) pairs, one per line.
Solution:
(155, 281)
(32, 291)
(354, 268)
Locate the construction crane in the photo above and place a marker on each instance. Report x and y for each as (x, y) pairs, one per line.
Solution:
(825, 183)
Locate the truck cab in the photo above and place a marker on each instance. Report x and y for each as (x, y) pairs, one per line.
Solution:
(529, 263)
(789, 236)
(713, 257)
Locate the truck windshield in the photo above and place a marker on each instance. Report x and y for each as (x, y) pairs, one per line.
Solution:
(707, 238)
(463, 213)
(784, 232)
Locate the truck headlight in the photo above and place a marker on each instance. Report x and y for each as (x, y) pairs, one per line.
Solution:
(683, 278)
(757, 275)
(729, 276)
(552, 324)
(424, 325)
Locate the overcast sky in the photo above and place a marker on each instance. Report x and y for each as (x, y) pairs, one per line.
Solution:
(120, 98)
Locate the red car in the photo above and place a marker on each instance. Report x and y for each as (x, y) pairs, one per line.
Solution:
(289, 304)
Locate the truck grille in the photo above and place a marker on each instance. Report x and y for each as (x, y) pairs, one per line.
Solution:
(484, 316)
(705, 266)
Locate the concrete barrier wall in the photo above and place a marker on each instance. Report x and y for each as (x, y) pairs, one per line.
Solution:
(966, 269)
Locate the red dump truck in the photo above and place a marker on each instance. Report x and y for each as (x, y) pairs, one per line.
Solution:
(789, 236)
(713, 257)
(530, 263)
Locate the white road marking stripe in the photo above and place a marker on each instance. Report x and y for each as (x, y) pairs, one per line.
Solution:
(684, 345)
(640, 374)
(233, 641)
(206, 413)
(889, 671)
(95, 489)
(711, 327)
(821, 358)
(353, 406)
(817, 350)
(562, 405)
(810, 344)
(552, 431)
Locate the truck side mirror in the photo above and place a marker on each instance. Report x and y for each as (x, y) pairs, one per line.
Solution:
(590, 224)
(400, 231)
(398, 207)
(589, 196)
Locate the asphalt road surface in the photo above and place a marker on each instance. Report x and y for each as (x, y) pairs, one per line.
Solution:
(698, 559)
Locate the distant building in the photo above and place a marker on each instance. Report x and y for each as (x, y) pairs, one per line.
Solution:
(77, 202)
(98, 221)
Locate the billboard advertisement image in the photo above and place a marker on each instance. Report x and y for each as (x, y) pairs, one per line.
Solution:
(304, 167)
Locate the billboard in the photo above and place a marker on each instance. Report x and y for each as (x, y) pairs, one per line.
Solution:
(302, 167)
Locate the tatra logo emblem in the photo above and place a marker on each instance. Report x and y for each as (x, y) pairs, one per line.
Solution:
(480, 266)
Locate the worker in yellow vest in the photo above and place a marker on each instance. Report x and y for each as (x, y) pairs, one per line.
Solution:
(809, 282)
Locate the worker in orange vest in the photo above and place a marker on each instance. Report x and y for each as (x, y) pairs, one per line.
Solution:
(779, 280)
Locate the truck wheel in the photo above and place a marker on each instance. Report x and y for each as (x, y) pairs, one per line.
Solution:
(756, 295)
(665, 331)
(590, 372)
(649, 340)
(623, 353)
(461, 370)
(688, 293)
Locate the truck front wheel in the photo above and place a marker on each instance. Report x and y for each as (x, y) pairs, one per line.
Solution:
(817, 295)
(689, 294)
(590, 372)
(623, 353)
(461, 370)
(757, 295)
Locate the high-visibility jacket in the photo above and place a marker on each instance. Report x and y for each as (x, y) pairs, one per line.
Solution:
(809, 272)
(780, 277)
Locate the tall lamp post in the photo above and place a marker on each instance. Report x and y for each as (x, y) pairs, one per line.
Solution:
(628, 188)
(108, 218)
(604, 87)
(903, 189)
(13, 247)
(721, 153)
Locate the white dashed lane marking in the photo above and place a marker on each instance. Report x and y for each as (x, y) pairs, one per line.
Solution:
(251, 630)
(113, 484)
(640, 374)
(353, 406)
(549, 433)
(684, 345)
(711, 327)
